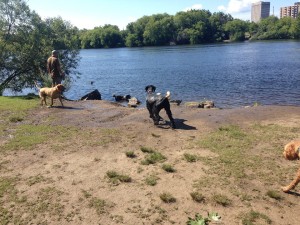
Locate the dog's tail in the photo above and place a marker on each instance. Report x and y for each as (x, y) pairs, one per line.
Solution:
(168, 95)
(37, 86)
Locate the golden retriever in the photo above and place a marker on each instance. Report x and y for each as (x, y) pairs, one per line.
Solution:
(53, 93)
(292, 152)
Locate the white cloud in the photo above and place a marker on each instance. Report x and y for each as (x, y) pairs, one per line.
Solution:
(196, 6)
(222, 8)
(237, 6)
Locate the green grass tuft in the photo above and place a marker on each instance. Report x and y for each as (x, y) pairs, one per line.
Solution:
(190, 157)
(116, 177)
(153, 158)
(130, 154)
(197, 197)
(167, 197)
(151, 180)
(252, 217)
(147, 149)
(221, 200)
(168, 168)
(274, 194)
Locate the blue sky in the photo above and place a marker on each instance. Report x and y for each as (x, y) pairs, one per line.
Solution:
(91, 13)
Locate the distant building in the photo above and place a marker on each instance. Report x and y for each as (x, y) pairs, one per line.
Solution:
(259, 11)
(290, 11)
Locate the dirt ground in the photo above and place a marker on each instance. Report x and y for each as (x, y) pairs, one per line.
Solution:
(74, 168)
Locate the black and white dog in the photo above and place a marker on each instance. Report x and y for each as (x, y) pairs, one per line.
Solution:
(156, 102)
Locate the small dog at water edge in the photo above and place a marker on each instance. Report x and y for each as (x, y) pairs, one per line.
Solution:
(52, 93)
(156, 102)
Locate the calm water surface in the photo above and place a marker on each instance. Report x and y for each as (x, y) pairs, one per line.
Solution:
(232, 75)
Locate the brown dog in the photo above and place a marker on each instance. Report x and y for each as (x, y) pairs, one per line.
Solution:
(292, 152)
(53, 93)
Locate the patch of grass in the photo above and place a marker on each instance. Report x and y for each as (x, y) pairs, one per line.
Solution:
(48, 202)
(116, 177)
(167, 197)
(190, 157)
(36, 179)
(7, 185)
(204, 182)
(153, 158)
(124, 178)
(221, 200)
(5, 216)
(147, 150)
(240, 152)
(111, 132)
(130, 154)
(197, 197)
(86, 194)
(18, 103)
(274, 194)
(112, 174)
(99, 205)
(151, 180)
(28, 135)
(253, 216)
(105, 137)
(168, 168)
(16, 119)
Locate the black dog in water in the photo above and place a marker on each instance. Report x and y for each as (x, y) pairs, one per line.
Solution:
(156, 102)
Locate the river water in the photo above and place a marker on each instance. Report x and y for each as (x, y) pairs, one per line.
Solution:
(230, 74)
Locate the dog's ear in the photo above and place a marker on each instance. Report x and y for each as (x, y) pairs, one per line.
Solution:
(60, 87)
(153, 88)
(146, 88)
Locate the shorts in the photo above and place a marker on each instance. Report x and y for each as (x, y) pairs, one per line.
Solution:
(56, 80)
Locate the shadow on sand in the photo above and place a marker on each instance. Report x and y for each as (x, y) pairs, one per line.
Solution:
(180, 125)
(66, 107)
(293, 193)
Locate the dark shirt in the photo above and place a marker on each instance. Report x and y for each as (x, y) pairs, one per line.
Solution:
(53, 66)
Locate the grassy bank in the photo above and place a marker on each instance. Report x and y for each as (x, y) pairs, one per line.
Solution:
(54, 173)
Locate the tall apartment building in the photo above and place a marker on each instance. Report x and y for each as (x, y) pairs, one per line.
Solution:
(290, 11)
(259, 11)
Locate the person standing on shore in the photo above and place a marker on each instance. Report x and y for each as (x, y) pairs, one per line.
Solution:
(54, 69)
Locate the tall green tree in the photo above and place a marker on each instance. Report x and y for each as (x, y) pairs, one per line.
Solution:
(295, 28)
(136, 31)
(218, 21)
(193, 27)
(236, 29)
(26, 42)
(111, 37)
(159, 30)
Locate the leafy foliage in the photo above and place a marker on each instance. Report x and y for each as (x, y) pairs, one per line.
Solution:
(191, 27)
(26, 42)
(200, 220)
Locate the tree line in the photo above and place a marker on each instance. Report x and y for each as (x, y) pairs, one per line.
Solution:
(26, 40)
(191, 27)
